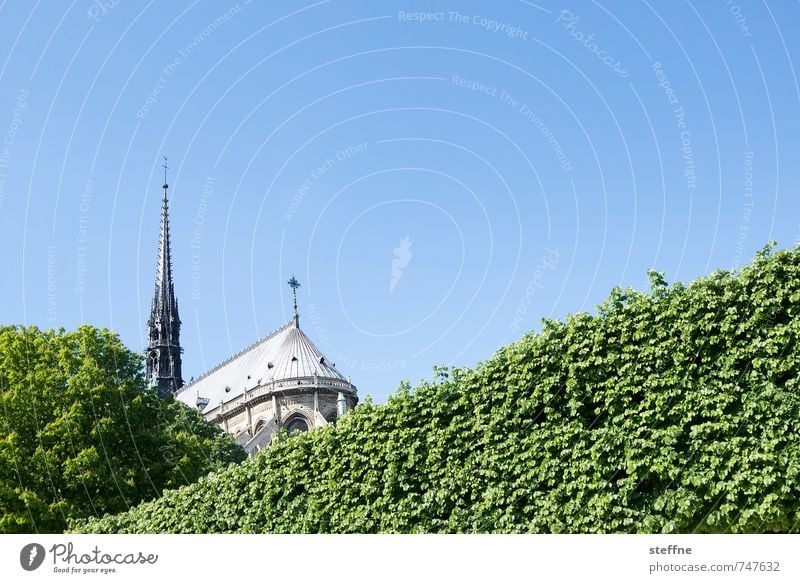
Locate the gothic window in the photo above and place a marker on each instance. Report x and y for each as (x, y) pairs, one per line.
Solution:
(297, 424)
(152, 363)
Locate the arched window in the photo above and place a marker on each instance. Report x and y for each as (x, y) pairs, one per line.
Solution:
(297, 424)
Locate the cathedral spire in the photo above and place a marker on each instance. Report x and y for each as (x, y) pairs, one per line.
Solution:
(294, 284)
(164, 290)
(163, 351)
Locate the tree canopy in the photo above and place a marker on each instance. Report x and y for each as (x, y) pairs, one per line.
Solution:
(81, 435)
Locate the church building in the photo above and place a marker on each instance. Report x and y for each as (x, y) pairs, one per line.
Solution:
(282, 381)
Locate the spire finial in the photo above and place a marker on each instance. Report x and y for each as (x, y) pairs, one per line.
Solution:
(294, 284)
(166, 186)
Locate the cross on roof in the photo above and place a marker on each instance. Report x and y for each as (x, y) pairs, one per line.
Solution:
(165, 175)
(294, 284)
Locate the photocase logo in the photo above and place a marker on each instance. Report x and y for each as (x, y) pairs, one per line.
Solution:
(402, 256)
(31, 556)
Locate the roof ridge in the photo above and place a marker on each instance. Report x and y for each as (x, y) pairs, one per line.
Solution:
(235, 356)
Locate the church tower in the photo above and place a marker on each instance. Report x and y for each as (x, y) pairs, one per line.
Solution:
(163, 355)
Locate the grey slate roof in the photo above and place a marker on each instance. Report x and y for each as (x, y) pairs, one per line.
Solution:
(287, 353)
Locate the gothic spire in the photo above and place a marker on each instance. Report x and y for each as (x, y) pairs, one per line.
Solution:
(163, 352)
(164, 299)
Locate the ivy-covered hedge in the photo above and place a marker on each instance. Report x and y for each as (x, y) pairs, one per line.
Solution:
(671, 411)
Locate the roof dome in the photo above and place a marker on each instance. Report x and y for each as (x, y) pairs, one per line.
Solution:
(296, 356)
(284, 360)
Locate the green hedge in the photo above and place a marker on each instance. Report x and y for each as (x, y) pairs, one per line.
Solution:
(670, 411)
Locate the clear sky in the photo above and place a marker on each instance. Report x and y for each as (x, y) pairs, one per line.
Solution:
(438, 175)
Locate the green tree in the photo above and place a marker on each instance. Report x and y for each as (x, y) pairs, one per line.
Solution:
(81, 435)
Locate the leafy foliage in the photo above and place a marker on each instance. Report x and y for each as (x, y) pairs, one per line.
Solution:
(671, 411)
(81, 436)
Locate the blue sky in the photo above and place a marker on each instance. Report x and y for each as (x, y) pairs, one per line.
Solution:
(438, 175)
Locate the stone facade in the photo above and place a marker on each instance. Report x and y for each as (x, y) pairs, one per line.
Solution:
(254, 418)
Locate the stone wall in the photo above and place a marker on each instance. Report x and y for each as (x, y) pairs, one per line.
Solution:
(260, 418)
